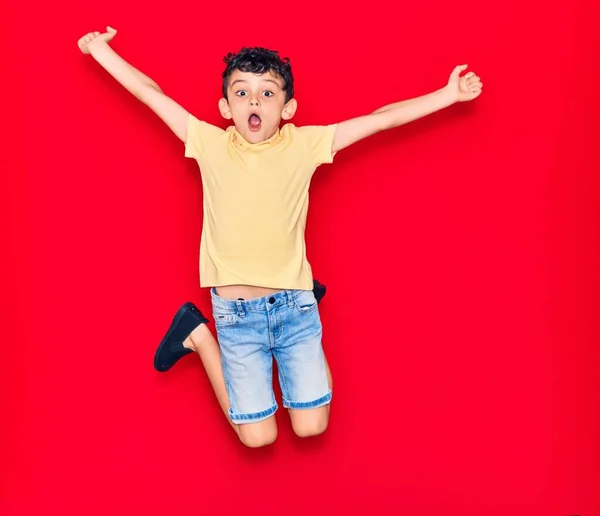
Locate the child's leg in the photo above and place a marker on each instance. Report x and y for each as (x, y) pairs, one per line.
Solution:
(304, 374)
(202, 341)
(188, 333)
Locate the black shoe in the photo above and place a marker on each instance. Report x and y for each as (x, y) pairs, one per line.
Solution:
(319, 290)
(171, 348)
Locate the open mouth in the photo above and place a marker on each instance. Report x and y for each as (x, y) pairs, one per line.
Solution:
(254, 122)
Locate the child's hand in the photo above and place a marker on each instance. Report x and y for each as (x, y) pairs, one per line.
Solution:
(464, 88)
(89, 39)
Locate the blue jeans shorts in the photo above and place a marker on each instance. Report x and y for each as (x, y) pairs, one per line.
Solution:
(285, 326)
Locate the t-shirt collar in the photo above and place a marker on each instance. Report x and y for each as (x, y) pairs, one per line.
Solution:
(239, 140)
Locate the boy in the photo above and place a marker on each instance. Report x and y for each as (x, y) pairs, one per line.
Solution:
(255, 177)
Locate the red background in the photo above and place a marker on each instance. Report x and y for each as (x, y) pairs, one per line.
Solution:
(460, 254)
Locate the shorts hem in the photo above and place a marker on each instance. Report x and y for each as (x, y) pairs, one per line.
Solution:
(303, 405)
(255, 417)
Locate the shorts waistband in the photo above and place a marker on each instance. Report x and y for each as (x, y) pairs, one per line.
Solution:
(259, 304)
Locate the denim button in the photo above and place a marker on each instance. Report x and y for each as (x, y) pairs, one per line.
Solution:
(271, 300)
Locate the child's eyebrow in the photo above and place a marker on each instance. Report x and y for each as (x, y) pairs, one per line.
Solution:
(244, 80)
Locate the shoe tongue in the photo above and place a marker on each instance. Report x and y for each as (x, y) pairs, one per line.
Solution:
(254, 120)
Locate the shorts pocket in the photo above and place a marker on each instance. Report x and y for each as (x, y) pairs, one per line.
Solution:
(305, 301)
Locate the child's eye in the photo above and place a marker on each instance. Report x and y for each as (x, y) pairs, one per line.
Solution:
(268, 93)
(240, 93)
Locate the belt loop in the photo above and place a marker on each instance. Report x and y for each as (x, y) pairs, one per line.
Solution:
(240, 308)
(290, 298)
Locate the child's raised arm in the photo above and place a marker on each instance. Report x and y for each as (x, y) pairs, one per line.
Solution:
(458, 89)
(140, 85)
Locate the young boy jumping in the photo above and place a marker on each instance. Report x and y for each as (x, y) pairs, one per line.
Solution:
(255, 176)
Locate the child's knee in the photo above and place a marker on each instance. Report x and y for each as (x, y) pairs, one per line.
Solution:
(257, 435)
(309, 423)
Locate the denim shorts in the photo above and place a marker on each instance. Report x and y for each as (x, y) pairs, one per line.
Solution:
(285, 326)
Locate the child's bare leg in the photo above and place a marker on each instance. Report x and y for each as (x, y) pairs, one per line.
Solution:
(188, 333)
(202, 341)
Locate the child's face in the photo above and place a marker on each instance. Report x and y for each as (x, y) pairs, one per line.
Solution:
(256, 104)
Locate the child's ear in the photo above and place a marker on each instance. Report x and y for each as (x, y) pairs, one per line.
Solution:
(289, 110)
(225, 109)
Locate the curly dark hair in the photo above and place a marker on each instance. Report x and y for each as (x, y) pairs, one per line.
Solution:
(259, 60)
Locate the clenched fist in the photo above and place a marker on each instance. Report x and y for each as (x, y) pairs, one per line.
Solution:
(464, 88)
(85, 42)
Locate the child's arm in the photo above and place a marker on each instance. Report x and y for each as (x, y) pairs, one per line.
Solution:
(140, 85)
(458, 89)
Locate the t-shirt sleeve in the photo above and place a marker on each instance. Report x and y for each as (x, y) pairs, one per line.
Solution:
(320, 141)
(200, 136)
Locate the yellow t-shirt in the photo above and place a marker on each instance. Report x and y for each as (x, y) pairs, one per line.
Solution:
(256, 202)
